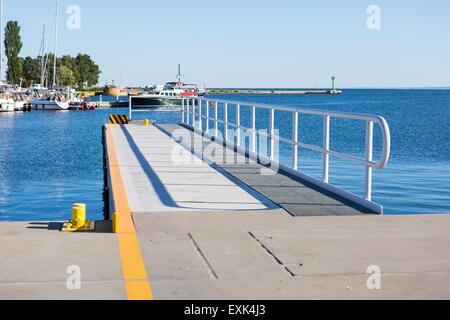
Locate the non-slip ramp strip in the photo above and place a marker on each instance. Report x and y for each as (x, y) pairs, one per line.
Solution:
(136, 280)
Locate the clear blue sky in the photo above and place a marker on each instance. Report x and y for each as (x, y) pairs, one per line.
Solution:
(251, 43)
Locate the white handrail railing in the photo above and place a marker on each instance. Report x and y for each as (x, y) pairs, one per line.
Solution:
(192, 110)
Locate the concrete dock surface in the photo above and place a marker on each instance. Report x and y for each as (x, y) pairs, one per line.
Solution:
(250, 255)
(201, 233)
(276, 256)
(36, 260)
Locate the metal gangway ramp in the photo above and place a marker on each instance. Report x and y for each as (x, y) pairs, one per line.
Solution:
(209, 121)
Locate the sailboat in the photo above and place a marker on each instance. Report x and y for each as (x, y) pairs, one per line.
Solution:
(44, 99)
(1, 44)
(7, 103)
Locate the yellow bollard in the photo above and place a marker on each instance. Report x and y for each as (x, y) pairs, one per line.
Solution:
(115, 223)
(79, 222)
(79, 215)
(146, 123)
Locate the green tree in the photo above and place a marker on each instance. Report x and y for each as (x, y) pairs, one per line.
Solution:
(88, 70)
(13, 45)
(65, 76)
(31, 70)
(66, 70)
(70, 63)
(70, 71)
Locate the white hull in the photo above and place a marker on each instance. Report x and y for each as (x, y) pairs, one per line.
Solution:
(7, 106)
(38, 104)
(19, 105)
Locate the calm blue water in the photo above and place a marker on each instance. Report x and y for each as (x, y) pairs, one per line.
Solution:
(50, 160)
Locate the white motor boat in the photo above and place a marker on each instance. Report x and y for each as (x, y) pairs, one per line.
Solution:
(7, 103)
(68, 94)
(19, 105)
(52, 102)
(20, 100)
(169, 95)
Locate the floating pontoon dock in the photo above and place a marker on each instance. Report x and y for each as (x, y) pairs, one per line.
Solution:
(196, 217)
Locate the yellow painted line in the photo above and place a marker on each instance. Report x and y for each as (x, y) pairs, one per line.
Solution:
(132, 261)
(139, 291)
(136, 281)
(133, 268)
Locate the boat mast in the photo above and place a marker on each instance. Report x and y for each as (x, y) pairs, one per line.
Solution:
(179, 73)
(1, 40)
(56, 40)
(43, 56)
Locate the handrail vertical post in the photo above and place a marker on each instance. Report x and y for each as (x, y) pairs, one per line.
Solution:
(253, 132)
(182, 111)
(226, 122)
(200, 118)
(272, 134)
(193, 113)
(188, 111)
(369, 158)
(216, 119)
(295, 141)
(326, 149)
(207, 116)
(130, 112)
(238, 125)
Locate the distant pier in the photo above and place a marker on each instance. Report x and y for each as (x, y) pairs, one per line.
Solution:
(273, 91)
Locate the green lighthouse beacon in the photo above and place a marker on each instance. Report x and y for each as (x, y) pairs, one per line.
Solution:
(333, 84)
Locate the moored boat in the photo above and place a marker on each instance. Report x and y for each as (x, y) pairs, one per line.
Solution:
(52, 102)
(69, 95)
(171, 95)
(20, 100)
(7, 103)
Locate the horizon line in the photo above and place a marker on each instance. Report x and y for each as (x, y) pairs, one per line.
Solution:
(326, 88)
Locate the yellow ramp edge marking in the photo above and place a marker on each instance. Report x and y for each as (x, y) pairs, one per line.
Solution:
(136, 280)
(126, 224)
